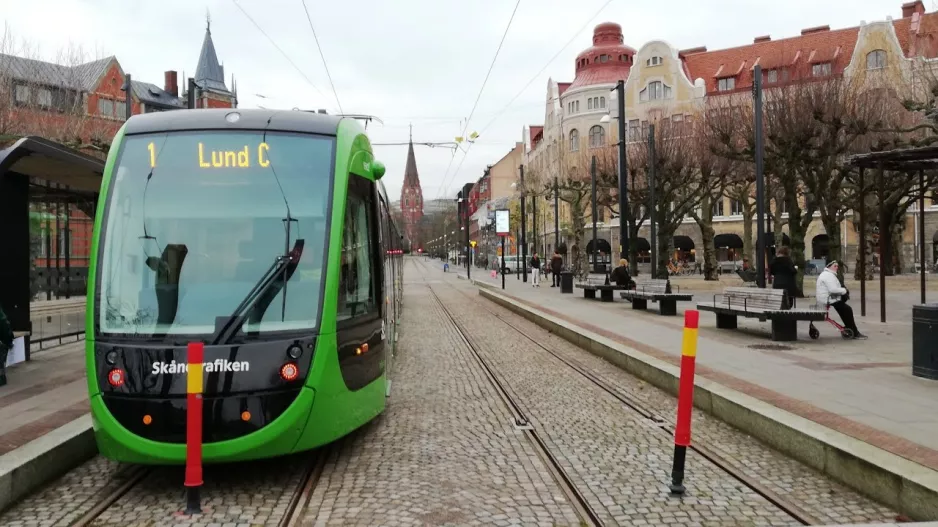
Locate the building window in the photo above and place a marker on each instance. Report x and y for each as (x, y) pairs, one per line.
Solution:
(736, 207)
(574, 141)
(589, 104)
(602, 102)
(635, 131)
(106, 107)
(654, 91)
(876, 60)
(726, 84)
(597, 136)
(821, 70)
(604, 58)
(45, 97)
(121, 110)
(771, 76)
(22, 93)
(654, 61)
(717, 207)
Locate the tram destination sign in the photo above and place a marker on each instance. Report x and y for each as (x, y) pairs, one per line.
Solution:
(502, 222)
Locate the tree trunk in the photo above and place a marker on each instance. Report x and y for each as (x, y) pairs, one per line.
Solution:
(705, 223)
(797, 233)
(633, 249)
(897, 232)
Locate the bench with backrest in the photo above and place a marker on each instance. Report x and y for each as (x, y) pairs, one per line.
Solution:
(763, 304)
(593, 284)
(657, 290)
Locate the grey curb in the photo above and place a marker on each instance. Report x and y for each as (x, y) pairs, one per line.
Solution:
(892, 480)
(38, 462)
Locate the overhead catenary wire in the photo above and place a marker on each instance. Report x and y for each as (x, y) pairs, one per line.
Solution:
(479, 96)
(323, 56)
(297, 68)
(549, 62)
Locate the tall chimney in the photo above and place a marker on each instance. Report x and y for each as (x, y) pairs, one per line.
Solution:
(170, 84)
(910, 8)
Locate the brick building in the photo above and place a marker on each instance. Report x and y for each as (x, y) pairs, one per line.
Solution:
(84, 105)
(663, 83)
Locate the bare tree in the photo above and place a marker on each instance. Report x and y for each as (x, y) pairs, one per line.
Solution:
(714, 174)
(679, 187)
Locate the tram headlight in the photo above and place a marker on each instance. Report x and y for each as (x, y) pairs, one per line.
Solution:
(111, 357)
(294, 351)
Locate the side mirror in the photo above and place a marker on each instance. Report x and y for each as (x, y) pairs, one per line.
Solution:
(377, 169)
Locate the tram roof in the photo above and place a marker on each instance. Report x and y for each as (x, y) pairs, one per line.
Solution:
(249, 119)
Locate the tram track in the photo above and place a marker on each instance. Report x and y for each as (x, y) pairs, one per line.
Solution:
(582, 506)
(657, 422)
(134, 476)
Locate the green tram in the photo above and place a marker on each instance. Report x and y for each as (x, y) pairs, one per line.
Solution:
(267, 236)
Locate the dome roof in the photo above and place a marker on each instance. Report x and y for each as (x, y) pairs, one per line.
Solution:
(607, 60)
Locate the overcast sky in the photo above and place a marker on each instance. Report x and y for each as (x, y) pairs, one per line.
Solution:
(407, 61)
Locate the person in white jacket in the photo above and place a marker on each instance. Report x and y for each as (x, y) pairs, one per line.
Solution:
(830, 292)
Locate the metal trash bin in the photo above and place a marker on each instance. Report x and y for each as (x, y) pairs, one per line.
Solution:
(566, 282)
(925, 341)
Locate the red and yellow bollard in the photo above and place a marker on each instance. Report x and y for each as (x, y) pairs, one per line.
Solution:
(195, 354)
(685, 400)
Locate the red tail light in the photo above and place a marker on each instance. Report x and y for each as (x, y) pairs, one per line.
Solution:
(289, 372)
(115, 377)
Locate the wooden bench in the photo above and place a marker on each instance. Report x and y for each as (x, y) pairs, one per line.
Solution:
(591, 285)
(763, 304)
(656, 290)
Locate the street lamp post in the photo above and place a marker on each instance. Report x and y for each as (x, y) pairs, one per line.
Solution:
(593, 192)
(625, 216)
(652, 206)
(524, 241)
(556, 213)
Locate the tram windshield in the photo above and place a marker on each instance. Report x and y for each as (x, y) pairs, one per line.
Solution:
(194, 221)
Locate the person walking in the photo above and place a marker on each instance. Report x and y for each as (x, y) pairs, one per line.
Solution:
(783, 273)
(831, 292)
(556, 266)
(535, 271)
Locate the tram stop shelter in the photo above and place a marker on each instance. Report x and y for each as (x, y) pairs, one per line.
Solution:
(910, 163)
(35, 171)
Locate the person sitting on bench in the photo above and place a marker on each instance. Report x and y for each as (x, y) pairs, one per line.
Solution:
(620, 275)
(830, 292)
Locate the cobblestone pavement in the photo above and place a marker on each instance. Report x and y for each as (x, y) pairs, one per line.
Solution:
(64, 501)
(620, 462)
(234, 495)
(445, 451)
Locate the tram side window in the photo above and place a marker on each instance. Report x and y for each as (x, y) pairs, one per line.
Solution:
(357, 284)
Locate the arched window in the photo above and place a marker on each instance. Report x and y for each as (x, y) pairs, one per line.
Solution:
(876, 60)
(589, 103)
(574, 140)
(597, 136)
(654, 91)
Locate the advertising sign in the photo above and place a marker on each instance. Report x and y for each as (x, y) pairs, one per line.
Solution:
(502, 224)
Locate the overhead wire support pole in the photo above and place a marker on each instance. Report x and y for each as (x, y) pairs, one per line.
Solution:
(760, 178)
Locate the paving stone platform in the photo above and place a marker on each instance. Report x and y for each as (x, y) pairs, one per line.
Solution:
(862, 388)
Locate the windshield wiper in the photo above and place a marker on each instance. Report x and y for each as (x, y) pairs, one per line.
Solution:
(260, 296)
